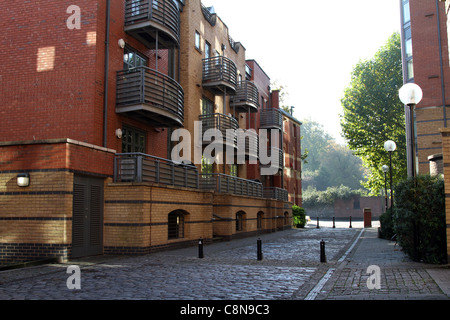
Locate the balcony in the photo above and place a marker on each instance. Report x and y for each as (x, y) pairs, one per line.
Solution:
(251, 139)
(246, 98)
(151, 20)
(276, 193)
(271, 118)
(220, 75)
(225, 124)
(150, 97)
(139, 167)
(228, 184)
(276, 152)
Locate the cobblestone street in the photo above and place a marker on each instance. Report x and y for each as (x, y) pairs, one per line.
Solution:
(290, 270)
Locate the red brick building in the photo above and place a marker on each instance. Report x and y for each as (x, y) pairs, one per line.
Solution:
(91, 94)
(426, 63)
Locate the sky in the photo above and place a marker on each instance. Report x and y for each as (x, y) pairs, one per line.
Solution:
(310, 47)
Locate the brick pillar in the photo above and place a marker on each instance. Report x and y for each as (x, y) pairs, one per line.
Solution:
(446, 159)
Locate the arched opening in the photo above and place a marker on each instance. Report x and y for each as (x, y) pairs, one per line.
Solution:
(240, 219)
(176, 224)
(259, 220)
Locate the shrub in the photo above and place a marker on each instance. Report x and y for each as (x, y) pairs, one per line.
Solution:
(386, 225)
(299, 216)
(419, 218)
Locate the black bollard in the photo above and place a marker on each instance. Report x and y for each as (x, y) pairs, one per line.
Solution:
(200, 248)
(317, 223)
(334, 226)
(259, 248)
(350, 222)
(323, 257)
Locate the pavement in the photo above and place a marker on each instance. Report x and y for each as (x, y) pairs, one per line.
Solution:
(359, 266)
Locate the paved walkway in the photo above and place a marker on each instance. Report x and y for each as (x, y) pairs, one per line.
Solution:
(290, 270)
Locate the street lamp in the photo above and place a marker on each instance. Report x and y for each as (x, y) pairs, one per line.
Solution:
(390, 147)
(411, 94)
(385, 169)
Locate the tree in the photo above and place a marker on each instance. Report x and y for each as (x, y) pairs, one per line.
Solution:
(328, 164)
(373, 113)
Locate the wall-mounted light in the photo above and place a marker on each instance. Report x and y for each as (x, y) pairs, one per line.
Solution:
(23, 179)
(119, 133)
(122, 43)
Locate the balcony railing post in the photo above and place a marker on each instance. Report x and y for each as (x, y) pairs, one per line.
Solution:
(157, 171)
(172, 173)
(138, 172)
(150, 9)
(142, 70)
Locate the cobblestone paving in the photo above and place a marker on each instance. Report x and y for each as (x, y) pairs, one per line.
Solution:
(290, 269)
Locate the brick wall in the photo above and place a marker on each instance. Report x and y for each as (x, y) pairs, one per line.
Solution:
(36, 221)
(427, 74)
(446, 160)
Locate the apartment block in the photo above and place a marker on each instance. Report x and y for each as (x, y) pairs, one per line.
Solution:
(426, 63)
(425, 50)
(92, 116)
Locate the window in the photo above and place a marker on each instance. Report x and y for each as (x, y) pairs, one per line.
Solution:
(135, 7)
(133, 140)
(207, 166)
(240, 221)
(406, 12)
(407, 42)
(197, 40)
(233, 170)
(259, 220)
(207, 106)
(207, 50)
(133, 59)
(175, 225)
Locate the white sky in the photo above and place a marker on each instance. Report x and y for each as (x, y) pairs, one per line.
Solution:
(310, 47)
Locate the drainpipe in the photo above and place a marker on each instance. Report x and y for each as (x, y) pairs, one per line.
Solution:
(441, 64)
(106, 82)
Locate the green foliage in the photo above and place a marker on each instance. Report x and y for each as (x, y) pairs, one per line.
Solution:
(299, 216)
(313, 198)
(328, 163)
(386, 225)
(419, 218)
(373, 113)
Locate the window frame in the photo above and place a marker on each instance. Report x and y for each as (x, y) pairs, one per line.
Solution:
(133, 146)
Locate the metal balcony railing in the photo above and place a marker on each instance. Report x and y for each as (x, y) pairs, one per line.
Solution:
(271, 118)
(143, 17)
(227, 125)
(278, 153)
(220, 75)
(251, 139)
(228, 184)
(246, 98)
(276, 193)
(150, 95)
(140, 167)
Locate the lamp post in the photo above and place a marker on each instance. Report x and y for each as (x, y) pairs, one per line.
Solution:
(385, 170)
(411, 94)
(390, 147)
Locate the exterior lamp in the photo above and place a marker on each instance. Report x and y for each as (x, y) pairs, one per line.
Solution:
(23, 179)
(411, 94)
(385, 169)
(390, 147)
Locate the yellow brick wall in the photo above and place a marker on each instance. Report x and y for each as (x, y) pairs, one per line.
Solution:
(446, 159)
(38, 213)
(429, 141)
